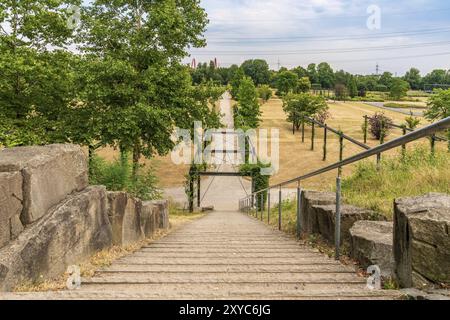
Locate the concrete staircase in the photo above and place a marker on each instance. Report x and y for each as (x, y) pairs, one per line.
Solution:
(225, 255)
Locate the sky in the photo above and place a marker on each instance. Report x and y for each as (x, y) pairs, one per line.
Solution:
(289, 33)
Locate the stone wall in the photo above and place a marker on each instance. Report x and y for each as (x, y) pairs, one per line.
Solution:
(422, 240)
(371, 244)
(318, 215)
(50, 218)
(48, 174)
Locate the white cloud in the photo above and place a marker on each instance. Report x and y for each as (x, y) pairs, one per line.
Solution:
(256, 27)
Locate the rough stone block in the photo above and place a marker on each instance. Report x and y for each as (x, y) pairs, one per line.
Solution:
(371, 244)
(10, 206)
(124, 212)
(422, 240)
(71, 232)
(326, 217)
(309, 199)
(148, 219)
(49, 174)
(162, 212)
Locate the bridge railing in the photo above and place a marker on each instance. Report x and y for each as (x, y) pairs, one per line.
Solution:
(247, 204)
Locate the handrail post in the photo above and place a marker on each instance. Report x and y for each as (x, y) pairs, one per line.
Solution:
(303, 130)
(299, 213)
(268, 206)
(325, 132)
(404, 145)
(341, 147)
(312, 135)
(337, 236)
(433, 145)
(381, 142)
(279, 209)
(262, 205)
(199, 191)
(366, 125)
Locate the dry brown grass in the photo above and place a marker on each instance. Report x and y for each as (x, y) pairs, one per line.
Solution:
(106, 257)
(297, 159)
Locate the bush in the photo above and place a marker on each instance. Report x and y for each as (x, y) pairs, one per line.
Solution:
(264, 93)
(399, 89)
(412, 122)
(379, 125)
(117, 176)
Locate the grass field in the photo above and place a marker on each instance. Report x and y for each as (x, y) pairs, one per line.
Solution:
(297, 159)
(363, 184)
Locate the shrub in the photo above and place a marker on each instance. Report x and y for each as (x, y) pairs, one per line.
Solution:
(264, 92)
(379, 125)
(399, 89)
(116, 176)
(412, 122)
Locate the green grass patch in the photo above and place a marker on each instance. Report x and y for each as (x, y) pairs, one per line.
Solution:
(417, 173)
(403, 106)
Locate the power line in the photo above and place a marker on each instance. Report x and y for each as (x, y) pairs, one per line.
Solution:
(321, 51)
(363, 60)
(324, 16)
(329, 38)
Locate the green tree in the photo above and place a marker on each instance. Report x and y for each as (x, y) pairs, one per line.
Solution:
(144, 90)
(439, 105)
(302, 105)
(386, 79)
(399, 88)
(413, 78)
(264, 93)
(312, 73)
(437, 76)
(36, 82)
(247, 111)
(326, 75)
(287, 81)
(439, 108)
(301, 72)
(304, 85)
(235, 83)
(258, 70)
(352, 87)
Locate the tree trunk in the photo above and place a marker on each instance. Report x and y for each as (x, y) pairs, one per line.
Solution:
(136, 157)
(91, 157)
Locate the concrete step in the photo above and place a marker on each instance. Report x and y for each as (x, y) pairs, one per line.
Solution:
(149, 268)
(229, 255)
(225, 261)
(242, 278)
(174, 289)
(139, 294)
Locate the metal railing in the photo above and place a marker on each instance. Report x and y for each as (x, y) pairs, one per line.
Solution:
(248, 203)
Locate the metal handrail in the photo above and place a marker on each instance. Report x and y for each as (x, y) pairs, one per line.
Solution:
(409, 129)
(415, 135)
(245, 204)
(339, 133)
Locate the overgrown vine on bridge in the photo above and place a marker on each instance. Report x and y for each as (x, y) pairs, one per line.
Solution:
(192, 176)
(260, 181)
